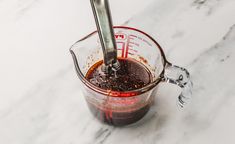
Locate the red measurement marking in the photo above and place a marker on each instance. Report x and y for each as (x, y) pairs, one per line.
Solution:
(120, 36)
(122, 47)
(133, 36)
(129, 38)
(125, 47)
(130, 49)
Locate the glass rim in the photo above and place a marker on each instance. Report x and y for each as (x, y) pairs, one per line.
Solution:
(120, 94)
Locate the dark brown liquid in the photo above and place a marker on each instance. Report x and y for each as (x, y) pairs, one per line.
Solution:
(118, 118)
(132, 75)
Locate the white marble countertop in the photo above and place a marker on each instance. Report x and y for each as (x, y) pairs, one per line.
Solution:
(196, 34)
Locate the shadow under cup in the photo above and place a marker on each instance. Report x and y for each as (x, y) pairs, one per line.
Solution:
(114, 107)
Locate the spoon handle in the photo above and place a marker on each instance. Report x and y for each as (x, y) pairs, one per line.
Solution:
(104, 25)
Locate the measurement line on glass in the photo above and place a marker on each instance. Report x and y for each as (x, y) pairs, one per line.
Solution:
(128, 46)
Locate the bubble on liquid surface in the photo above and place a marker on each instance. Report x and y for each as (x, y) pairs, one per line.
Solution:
(131, 75)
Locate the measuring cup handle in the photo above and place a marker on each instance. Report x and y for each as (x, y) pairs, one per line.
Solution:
(181, 77)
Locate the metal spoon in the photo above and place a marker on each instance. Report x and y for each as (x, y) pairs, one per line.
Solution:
(104, 26)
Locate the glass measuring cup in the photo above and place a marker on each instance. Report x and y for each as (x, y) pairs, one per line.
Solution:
(122, 108)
